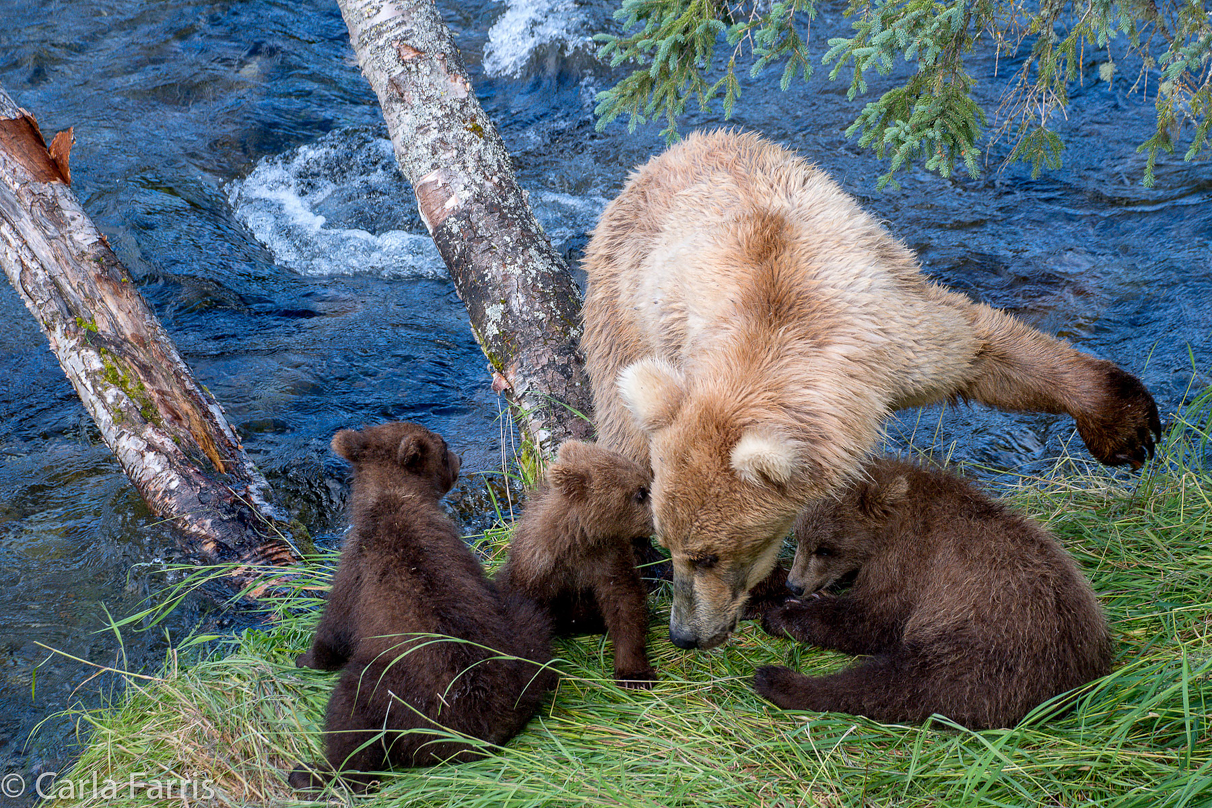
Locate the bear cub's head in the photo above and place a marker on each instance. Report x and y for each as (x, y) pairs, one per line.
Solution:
(399, 454)
(608, 492)
(836, 536)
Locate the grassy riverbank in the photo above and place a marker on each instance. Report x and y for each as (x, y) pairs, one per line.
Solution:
(226, 729)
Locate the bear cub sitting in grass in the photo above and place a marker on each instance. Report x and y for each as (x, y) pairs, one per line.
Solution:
(429, 649)
(575, 551)
(967, 609)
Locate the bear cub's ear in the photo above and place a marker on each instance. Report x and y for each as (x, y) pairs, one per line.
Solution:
(877, 502)
(567, 476)
(350, 444)
(412, 451)
(653, 389)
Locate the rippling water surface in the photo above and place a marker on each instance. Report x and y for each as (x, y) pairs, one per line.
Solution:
(236, 159)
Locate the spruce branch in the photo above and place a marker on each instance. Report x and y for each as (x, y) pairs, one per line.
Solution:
(931, 118)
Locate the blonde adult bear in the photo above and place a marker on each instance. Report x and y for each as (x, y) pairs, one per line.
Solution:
(747, 329)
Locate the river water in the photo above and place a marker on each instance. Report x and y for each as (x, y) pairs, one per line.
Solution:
(236, 160)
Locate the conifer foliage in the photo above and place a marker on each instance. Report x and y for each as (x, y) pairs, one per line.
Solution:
(1163, 48)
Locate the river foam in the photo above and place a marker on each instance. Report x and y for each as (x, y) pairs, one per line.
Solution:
(528, 27)
(339, 206)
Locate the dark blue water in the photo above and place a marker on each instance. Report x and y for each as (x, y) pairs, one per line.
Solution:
(235, 158)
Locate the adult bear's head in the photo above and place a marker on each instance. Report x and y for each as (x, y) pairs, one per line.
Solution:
(730, 474)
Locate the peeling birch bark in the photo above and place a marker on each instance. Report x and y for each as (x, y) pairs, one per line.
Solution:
(168, 433)
(520, 296)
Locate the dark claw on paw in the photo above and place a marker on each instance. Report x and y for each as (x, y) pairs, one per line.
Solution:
(637, 680)
(769, 680)
(762, 679)
(304, 778)
(772, 623)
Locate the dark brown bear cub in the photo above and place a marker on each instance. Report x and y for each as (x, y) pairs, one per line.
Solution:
(429, 649)
(967, 609)
(575, 549)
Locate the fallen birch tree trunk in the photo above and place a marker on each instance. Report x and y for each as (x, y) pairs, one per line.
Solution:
(520, 296)
(169, 435)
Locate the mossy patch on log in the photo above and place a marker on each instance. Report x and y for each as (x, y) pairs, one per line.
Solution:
(131, 385)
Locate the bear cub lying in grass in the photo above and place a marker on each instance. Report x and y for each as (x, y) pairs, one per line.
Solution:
(575, 551)
(404, 577)
(967, 609)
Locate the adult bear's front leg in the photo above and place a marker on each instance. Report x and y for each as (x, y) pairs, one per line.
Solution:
(1020, 368)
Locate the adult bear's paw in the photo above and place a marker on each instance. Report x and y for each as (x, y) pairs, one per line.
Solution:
(1125, 426)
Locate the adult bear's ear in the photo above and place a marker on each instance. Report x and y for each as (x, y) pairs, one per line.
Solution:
(350, 444)
(764, 455)
(653, 389)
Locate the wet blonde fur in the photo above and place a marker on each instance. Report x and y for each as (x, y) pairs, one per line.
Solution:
(747, 329)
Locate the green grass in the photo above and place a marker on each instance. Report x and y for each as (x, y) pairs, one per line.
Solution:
(236, 721)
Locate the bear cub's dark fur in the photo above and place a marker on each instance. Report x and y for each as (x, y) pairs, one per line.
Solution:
(404, 576)
(576, 547)
(967, 609)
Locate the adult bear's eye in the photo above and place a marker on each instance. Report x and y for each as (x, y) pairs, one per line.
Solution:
(823, 552)
(705, 562)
